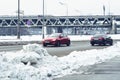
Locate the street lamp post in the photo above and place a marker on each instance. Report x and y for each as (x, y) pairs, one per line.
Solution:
(18, 27)
(67, 17)
(43, 35)
(65, 4)
(104, 10)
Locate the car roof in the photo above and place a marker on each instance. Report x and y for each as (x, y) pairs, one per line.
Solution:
(55, 34)
(99, 35)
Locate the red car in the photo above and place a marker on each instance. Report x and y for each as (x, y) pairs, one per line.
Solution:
(56, 39)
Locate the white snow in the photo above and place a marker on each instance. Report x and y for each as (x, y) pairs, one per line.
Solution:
(39, 37)
(33, 62)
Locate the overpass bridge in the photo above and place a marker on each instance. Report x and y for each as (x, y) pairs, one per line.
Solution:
(66, 24)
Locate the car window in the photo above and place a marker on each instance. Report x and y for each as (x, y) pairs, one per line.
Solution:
(62, 35)
(54, 35)
(65, 35)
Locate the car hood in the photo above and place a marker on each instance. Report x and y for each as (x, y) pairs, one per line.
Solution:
(50, 39)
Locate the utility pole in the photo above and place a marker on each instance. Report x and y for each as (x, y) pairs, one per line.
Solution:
(18, 27)
(43, 35)
(66, 5)
(104, 10)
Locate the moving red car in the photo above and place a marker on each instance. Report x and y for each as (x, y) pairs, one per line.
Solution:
(56, 39)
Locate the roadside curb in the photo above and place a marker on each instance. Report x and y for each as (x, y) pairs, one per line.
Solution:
(17, 42)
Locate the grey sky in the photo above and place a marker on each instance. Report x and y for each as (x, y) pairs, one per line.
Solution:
(53, 7)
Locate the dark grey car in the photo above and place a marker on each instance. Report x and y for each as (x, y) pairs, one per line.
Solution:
(101, 39)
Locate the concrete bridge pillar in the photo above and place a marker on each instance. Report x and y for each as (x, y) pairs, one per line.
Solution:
(44, 31)
(114, 27)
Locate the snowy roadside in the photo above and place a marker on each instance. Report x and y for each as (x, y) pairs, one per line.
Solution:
(6, 40)
(33, 62)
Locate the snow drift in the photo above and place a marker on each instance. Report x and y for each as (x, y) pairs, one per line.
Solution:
(34, 63)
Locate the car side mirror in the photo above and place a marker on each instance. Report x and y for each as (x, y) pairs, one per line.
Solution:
(60, 36)
(109, 37)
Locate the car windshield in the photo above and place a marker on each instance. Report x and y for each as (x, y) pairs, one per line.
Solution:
(54, 35)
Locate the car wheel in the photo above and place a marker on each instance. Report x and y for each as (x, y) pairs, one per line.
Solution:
(57, 43)
(111, 43)
(44, 45)
(92, 44)
(68, 44)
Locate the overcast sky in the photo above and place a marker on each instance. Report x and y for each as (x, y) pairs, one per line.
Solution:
(53, 7)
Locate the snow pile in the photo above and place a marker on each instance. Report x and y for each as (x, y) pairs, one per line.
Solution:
(76, 60)
(21, 65)
(34, 63)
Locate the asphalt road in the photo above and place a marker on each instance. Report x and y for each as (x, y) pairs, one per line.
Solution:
(75, 46)
(109, 70)
(58, 51)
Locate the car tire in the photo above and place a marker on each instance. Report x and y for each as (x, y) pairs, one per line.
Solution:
(68, 44)
(111, 43)
(57, 44)
(92, 44)
(44, 45)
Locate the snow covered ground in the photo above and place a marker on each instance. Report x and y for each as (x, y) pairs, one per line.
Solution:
(39, 37)
(33, 62)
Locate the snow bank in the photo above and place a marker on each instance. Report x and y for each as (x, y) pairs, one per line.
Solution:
(21, 65)
(34, 63)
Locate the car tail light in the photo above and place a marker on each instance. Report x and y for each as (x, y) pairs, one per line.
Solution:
(101, 38)
(92, 38)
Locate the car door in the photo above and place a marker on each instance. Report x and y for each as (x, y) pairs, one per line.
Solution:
(62, 39)
(65, 39)
(108, 39)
